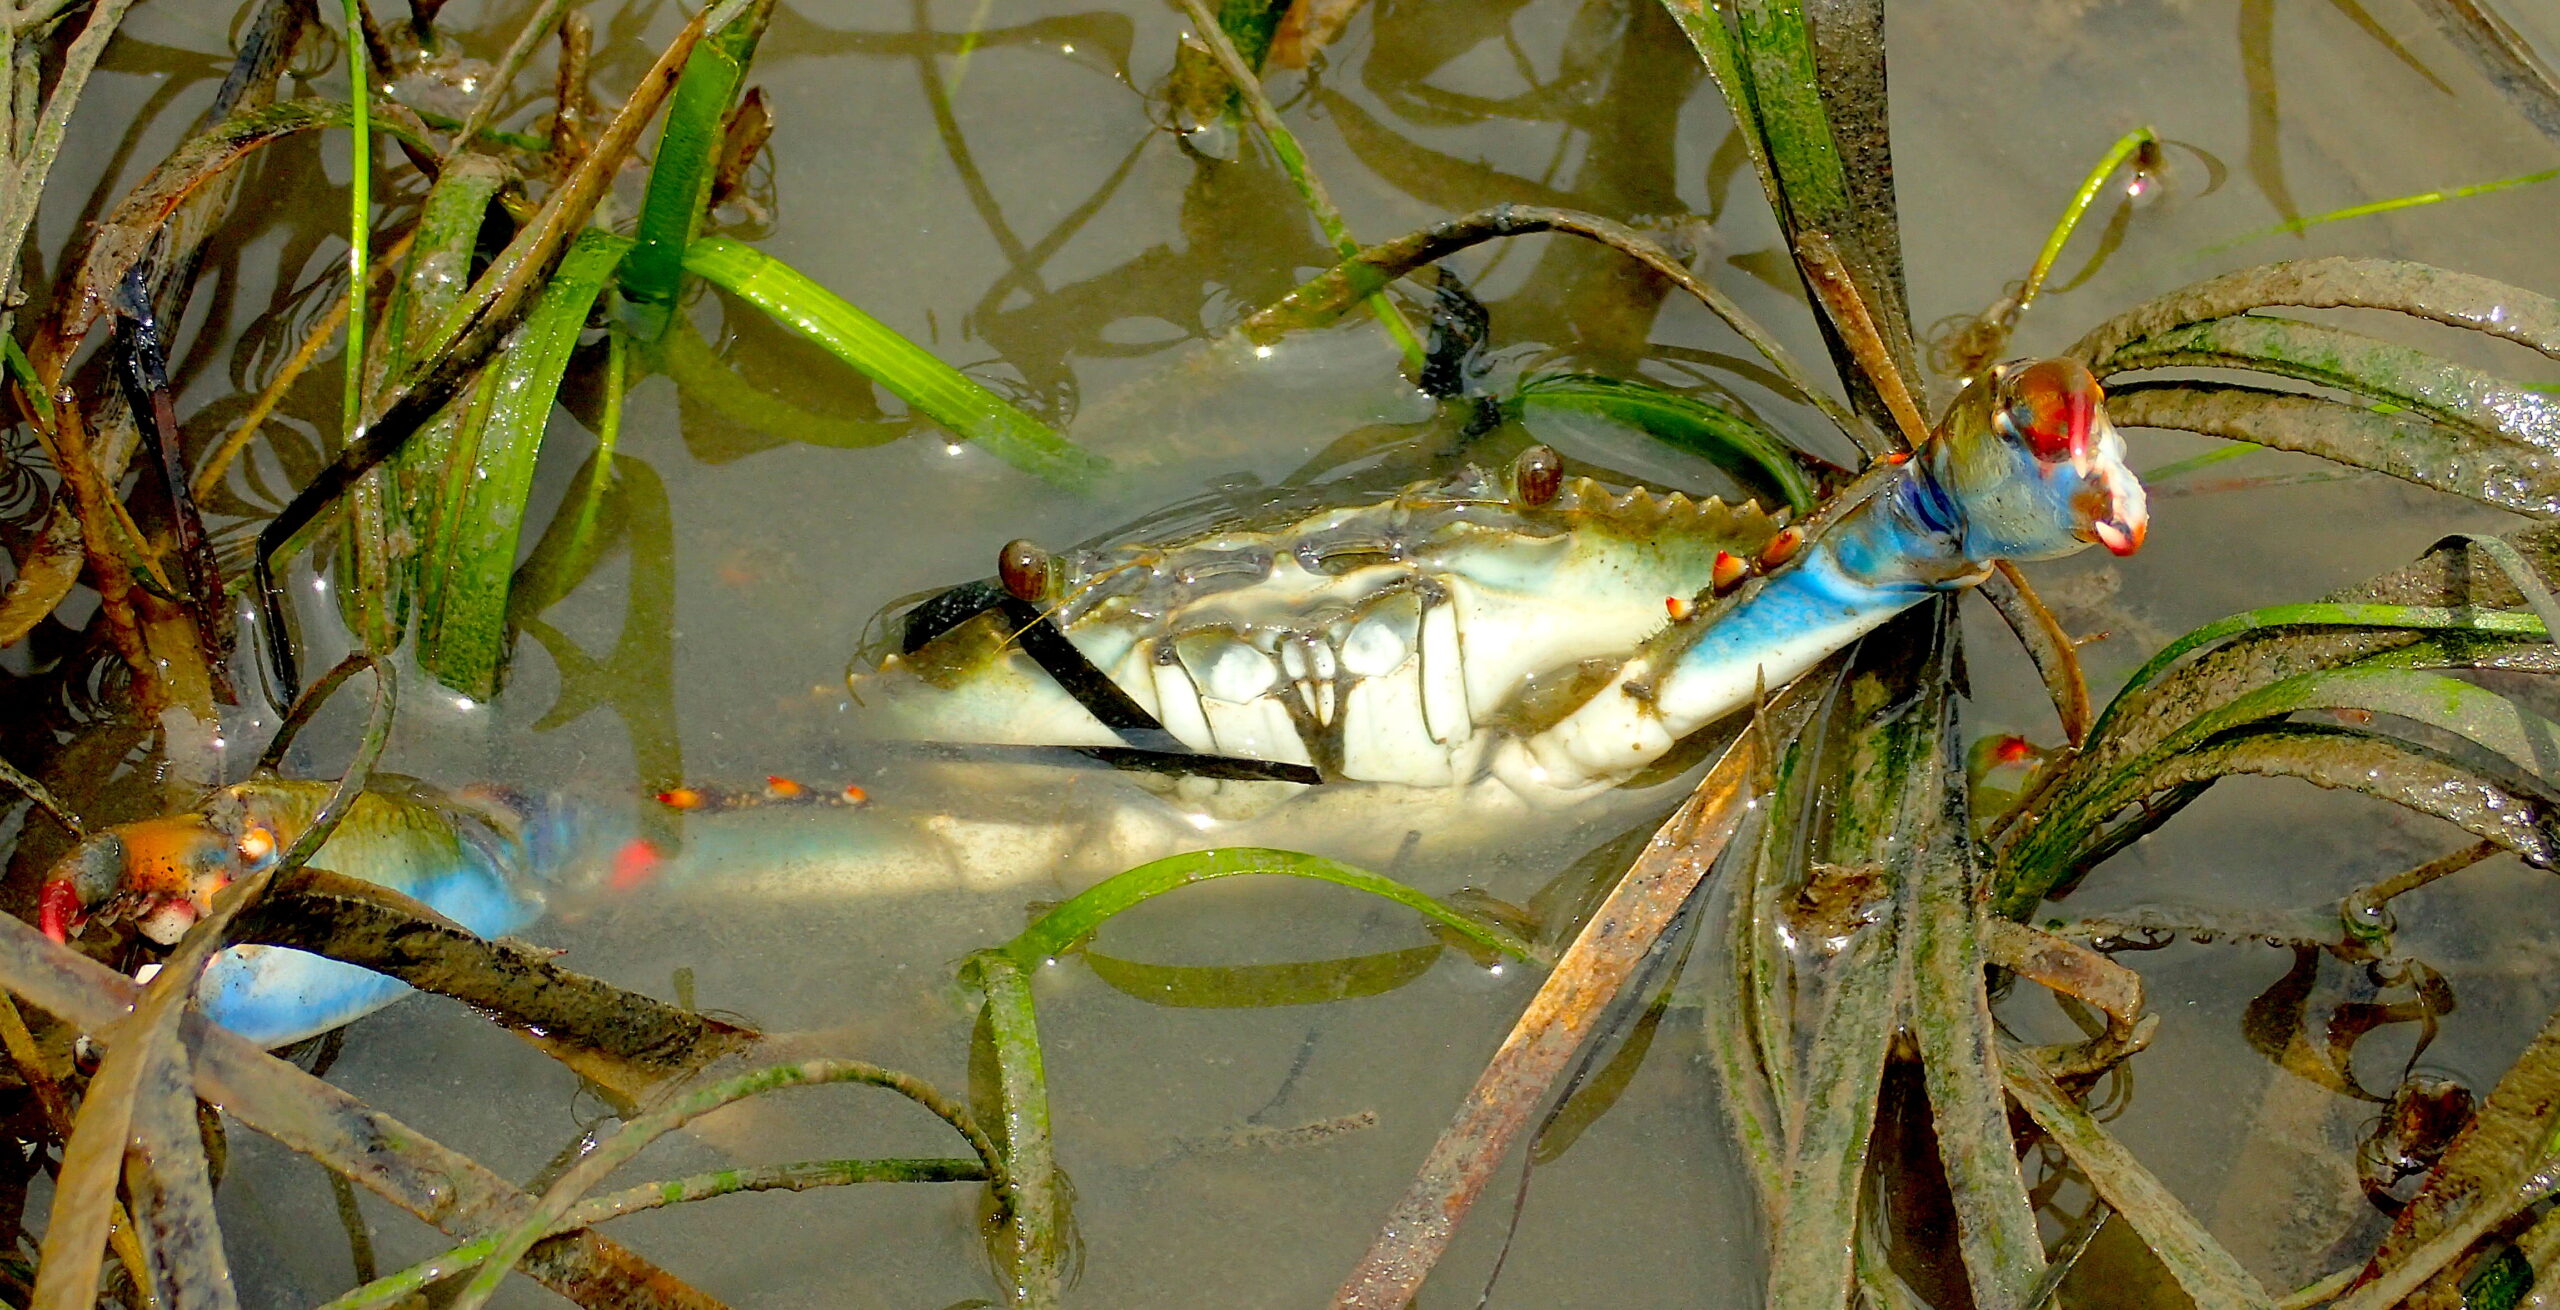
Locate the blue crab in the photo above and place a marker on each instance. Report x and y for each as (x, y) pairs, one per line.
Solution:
(1518, 638)
(1546, 634)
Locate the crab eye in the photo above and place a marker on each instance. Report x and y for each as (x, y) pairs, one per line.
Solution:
(2049, 406)
(1537, 477)
(1025, 570)
(256, 846)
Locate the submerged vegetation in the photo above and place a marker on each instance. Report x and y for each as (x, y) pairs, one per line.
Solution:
(1851, 906)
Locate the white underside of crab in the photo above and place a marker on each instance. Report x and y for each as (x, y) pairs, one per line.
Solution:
(1413, 686)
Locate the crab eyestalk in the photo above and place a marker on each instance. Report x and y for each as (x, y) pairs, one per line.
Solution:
(2025, 466)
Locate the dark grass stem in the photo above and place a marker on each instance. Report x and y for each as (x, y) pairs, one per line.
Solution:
(1293, 161)
(208, 476)
(28, 171)
(299, 717)
(529, 37)
(44, 799)
(2056, 654)
(1323, 298)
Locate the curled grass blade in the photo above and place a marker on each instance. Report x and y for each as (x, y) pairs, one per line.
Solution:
(2493, 469)
(1966, 347)
(2204, 1270)
(1063, 928)
(2137, 143)
(2462, 300)
(2095, 786)
(1761, 459)
(910, 372)
(2438, 388)
(397, 1288)
(463, 635)
(2482, 717)
(634, 1136)
(2316, 614)
(2421, 780)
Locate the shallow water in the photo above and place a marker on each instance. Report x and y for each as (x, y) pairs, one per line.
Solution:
(910, 177)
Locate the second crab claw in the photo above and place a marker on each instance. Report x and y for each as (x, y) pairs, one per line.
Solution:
(478, 858)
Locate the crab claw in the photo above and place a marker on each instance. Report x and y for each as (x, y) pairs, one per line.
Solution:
(2120, 516)
(162, 873)
(59, 912)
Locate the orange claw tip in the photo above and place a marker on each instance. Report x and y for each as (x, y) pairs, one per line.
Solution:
(2119, 538)
(2011, 748)
(59, 912)
(1729, 571)
(682, 798)
(1782, 547)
